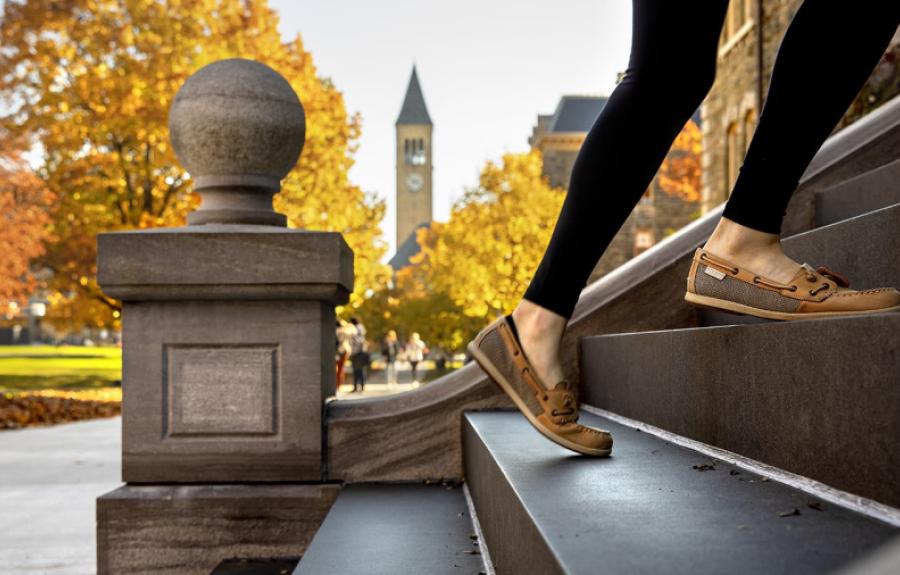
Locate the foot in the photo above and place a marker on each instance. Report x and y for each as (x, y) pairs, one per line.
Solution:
(812, 293)
(540, 335)
(753, 250)
(553, 412)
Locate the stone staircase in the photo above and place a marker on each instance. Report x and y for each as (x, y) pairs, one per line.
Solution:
(654, 507)
(742, 445)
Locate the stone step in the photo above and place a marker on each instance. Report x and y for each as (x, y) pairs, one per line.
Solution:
(389, 529)
(646, 509)
(820, 398)
(865, 249)
(864, 193)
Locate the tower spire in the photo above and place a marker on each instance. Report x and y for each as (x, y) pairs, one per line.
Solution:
(414, 110)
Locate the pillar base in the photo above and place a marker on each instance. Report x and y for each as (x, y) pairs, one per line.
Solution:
(192, 529)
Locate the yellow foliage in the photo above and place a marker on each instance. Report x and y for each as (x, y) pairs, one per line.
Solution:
(484, 256)
(102, 394)
(91, 82)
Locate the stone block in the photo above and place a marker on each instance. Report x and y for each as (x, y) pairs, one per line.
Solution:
(192, 529)
(218, 261)
(225, 390)
(228, 349)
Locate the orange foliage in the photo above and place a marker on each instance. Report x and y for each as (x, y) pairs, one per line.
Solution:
(24, 205)
(679, 175)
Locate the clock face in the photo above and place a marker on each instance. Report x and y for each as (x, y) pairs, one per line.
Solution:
(414, 182)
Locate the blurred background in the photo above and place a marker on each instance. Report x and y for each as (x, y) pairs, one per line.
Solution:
(440, 142)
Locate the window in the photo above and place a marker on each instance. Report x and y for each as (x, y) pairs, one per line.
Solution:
(736, 18)
(732, 156)
(643, 240)
(739, 13)
(414, 151)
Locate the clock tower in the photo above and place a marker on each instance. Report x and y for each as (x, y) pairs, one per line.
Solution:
(414, 192)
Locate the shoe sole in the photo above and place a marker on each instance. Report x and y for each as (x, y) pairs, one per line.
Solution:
(495, 375)
(741, 309)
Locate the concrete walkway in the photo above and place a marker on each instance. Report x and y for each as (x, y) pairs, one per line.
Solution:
(49, 480)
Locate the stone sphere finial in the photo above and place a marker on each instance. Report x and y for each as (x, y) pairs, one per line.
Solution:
(238, 128)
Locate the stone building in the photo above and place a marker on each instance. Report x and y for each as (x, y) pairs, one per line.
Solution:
(730, 112)
(414, 171)
(559, 136)
(747, 53)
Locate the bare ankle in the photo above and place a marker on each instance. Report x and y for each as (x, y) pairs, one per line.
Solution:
(751, 249)
(540, 334)
(731, 239)
(531, 320)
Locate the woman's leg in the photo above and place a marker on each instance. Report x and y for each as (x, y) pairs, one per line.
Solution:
(671, 68)
(827, 53)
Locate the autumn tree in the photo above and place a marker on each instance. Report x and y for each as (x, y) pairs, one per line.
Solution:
(681, 171)
(24, 222)
(484, 256)
(410, 305)
(90, 82)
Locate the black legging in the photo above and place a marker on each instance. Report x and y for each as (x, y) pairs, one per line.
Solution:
(825, 57)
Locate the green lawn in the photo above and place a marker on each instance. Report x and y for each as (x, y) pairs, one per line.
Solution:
(48, 367)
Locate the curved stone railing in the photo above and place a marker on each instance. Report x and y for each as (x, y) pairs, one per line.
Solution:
(416, 435)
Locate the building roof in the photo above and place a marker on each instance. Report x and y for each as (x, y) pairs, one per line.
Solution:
(406, 250)
(576, 113)
(414, 110)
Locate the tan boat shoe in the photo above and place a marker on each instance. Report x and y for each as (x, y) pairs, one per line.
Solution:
(554, 412)
(812, 293)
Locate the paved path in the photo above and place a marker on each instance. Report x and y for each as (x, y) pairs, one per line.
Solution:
(49, 480)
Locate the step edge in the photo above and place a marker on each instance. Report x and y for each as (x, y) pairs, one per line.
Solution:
(858, 178)
(769, 324)
(476, 525)
(856, 503)
(878, 212)
(507, 480)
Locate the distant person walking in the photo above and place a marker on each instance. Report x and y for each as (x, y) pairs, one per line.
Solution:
(343, 333)
(415, 353)
(359, 354)
(390, 349)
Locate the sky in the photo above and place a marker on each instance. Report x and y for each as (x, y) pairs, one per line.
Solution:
(487, 69)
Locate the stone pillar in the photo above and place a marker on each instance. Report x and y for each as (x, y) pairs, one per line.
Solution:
(228, 341)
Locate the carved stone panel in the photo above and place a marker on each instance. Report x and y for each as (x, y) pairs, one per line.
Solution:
(220, 390)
